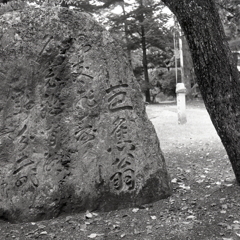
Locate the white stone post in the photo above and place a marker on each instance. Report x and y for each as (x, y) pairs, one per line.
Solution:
(181, 103)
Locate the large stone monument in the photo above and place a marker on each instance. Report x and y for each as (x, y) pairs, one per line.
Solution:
(74, 134)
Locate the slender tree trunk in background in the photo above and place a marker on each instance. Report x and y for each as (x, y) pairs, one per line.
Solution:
(187, 64)
(235, 58)
(216, 73)
(144, 61)
(145, 64)
(126, 34)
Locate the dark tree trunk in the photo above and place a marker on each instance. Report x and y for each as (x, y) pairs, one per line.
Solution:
(144, 51)
(145, 64)
(217, 75)
(187, 65)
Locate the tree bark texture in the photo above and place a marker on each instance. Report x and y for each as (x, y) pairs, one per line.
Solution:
(215, 70)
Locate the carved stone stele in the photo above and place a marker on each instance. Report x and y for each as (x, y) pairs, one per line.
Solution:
(74, 134)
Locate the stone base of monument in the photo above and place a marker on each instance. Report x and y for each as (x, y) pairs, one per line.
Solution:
(74, 134)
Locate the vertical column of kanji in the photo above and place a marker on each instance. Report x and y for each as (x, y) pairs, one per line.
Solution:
(122, 149)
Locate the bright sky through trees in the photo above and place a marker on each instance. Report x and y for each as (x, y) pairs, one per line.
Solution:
(118, 10)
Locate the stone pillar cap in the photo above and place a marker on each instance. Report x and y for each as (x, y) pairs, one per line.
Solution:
(180, 88)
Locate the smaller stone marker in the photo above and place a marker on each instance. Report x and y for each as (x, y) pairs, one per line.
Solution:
(181, 103)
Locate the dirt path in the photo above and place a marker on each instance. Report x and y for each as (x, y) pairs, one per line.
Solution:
(198, 128)
(205, 204)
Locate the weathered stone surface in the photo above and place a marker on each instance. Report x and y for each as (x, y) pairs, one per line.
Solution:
(74, 134)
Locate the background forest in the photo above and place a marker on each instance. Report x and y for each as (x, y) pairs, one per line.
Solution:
(149, 34)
